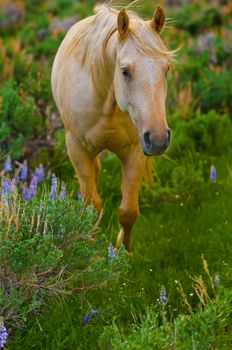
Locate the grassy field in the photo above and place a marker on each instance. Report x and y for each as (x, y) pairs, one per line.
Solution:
(175, 290)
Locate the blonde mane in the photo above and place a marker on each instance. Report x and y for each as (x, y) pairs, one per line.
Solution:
(89, 41)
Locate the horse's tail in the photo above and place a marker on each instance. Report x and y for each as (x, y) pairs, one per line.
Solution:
(149, 178)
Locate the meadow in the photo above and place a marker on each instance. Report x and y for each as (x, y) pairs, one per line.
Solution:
(63, 285)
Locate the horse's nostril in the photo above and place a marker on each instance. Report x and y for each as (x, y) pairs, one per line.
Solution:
(154, 143)
(169, 135)
(146, 139)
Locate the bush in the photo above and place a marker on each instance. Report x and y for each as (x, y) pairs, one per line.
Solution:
(194, 17)
(20, 119)
(204, 133)
(48, 248)
(215, 91)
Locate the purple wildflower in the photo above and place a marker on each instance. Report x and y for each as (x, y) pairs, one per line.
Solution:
(78, 195)
(3, 334)
(6, 185)
(39, 173)
(53, 193)
(26, 194)
(54, 180)
(89, 315)
(24, 171)
(111, 253)
(33, 186)
(216, 281)
(213, 173)
(163, 296)
(8, 165)
(63, 191)
(54, 187)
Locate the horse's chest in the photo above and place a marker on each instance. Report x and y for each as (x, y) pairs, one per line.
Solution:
(114, 133)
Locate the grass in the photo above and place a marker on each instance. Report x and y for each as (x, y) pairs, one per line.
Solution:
(170, 236)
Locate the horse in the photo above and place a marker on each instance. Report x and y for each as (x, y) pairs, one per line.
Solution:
(109, 82)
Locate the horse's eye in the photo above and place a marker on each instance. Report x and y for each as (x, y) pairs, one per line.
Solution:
(125, 72)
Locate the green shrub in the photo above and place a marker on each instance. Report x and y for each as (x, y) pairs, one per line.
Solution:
(203, 133)
(47, 248)
(194, 17)
(214, 90)
(20, 119)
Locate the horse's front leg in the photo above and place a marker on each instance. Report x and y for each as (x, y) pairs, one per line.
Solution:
(133, 168)
(86, 167)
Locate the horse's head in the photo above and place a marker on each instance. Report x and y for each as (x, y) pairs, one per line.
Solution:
(141, 78)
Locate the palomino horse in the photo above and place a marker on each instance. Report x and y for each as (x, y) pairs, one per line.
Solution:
(109, 81)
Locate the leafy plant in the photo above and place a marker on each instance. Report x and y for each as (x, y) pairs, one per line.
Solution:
(48, 247)
(19, 119)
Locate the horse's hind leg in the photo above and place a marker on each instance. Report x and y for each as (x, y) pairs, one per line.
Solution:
(86, 167)
(133, 168)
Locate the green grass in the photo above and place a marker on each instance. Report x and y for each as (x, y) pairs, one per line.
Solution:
(170, 236)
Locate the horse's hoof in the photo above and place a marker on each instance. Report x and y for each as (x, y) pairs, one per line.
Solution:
(120, 238)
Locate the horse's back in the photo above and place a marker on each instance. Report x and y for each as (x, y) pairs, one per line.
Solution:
(69, 78)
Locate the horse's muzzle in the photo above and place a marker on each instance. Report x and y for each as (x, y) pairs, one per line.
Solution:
(153, 144)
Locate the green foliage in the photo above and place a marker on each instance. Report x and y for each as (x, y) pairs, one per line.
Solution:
(215, 91)
(44, 253)
(203, 133)
(194, 17)
(200, 330)
(19, 119)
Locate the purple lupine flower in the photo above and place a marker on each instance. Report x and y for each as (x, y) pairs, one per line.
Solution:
(26, 194)
(24, 171)
(6, 185)
(63, 191)
(33, 186)
(39, 173)
(216, 281)
(111, 253)
(213, 173)
(163, 296)
(54, 180)
(54, 187)
(8, 165)
(89, 315)
(3, 335)
(78, 195)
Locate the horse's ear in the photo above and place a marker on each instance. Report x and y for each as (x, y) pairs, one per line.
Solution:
(123, 24)
(158, 19)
